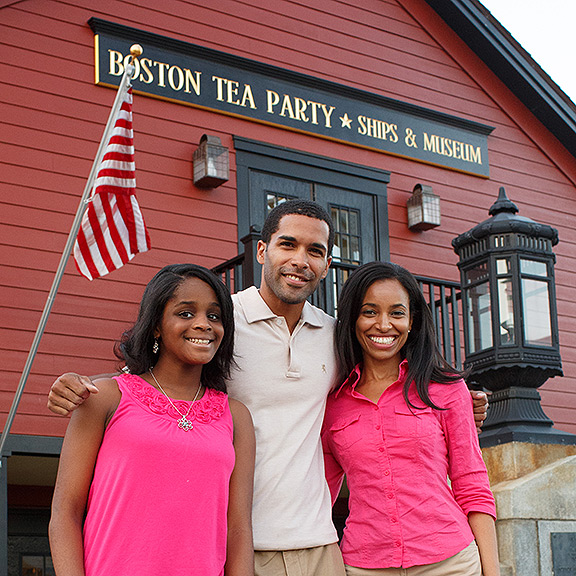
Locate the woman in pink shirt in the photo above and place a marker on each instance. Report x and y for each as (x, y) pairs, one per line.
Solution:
(398, 427)
(161, 460)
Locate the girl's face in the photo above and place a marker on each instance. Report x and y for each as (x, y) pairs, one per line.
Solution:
(384, 321)
(191, 329)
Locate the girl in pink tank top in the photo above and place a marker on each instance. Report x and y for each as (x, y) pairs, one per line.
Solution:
(156, 470)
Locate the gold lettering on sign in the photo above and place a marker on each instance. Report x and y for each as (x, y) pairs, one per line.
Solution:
(327, 114)
(116, 63)
(162, 66)
(287, 107)
(374, 128)
(452, 148)
(145, 64)
(193, 81)
(248, 97)
(298, 109)
(232, 90)
(272, 98)
(176, 86)
(177, 77)
(314, 110)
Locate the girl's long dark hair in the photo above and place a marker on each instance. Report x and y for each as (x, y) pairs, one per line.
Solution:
(135, 346)
(425, 362)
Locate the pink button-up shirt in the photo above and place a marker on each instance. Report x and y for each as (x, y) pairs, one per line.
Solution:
(403, 511)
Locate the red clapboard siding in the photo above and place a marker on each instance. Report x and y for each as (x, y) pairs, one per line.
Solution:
(53, 116)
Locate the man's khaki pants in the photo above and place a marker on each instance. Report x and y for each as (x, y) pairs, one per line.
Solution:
(318, 561)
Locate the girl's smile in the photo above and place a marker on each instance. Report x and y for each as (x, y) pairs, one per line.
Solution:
(191, 329)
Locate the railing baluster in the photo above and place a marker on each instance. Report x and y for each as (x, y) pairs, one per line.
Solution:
(444, 306)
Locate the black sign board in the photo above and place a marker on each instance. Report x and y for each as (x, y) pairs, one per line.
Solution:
(563, 553)
(205, 78)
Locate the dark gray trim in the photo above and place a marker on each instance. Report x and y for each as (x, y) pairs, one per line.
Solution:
(340, 173)
(254, 155)
(3, 515)
(513, 65)
(33, 445)
(20, 444)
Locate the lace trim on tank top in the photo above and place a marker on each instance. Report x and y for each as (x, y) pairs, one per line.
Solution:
(210, 407)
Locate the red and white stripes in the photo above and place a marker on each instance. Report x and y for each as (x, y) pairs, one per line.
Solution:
(113, 229)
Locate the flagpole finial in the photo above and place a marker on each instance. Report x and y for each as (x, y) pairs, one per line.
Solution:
(136, 51)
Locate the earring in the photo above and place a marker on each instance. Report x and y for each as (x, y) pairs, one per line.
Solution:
(155, 346)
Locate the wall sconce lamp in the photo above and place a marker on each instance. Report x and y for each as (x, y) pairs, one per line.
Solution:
(423, 208)
(211, 165)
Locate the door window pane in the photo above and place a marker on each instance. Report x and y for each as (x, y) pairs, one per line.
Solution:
(273, 199)
(347, 238)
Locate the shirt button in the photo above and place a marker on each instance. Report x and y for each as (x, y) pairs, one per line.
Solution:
(381, 449)
(279, 321)
(377, 426)
(375, 407)
(386, 472)
(390, 496)
(393, 519)
(397, 544)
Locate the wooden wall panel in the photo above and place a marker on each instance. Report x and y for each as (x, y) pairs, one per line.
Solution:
(52, 117)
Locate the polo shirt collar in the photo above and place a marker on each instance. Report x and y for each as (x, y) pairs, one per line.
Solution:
(352, 381)
(256, 310)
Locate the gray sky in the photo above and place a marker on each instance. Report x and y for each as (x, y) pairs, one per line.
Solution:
(545, 29)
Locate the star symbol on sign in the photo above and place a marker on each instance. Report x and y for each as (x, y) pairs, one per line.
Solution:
(346, 122)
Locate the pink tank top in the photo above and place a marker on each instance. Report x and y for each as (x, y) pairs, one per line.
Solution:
(159, 496)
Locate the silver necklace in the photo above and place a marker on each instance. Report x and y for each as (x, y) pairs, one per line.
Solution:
(183, 423)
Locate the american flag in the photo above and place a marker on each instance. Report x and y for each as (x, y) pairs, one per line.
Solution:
(113, 229)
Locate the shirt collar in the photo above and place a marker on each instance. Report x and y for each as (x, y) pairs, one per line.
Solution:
(354, 377)
(256, 310)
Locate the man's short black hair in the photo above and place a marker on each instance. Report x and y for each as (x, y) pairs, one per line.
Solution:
(302, 208)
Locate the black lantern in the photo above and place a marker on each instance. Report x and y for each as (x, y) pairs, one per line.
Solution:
(510, 321)
(210, 163)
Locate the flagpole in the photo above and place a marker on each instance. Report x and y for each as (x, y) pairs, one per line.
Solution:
(135, 52)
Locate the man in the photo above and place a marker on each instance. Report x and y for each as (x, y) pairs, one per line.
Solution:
(286, 368)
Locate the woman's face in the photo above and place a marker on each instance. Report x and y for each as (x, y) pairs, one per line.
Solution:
(191, 328)
(384, 321)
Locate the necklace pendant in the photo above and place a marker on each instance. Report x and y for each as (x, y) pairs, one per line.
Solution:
(185, 424)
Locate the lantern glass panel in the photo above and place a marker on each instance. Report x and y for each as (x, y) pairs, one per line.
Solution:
(480, 317)
(536, 308)
(503, 266)
(533, 267)
(506, 311)
(431, 209)
(477, 274)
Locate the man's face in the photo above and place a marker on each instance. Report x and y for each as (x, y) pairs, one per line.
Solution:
(294, 261)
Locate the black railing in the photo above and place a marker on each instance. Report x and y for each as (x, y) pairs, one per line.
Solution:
(443, 296)
(444, 299)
